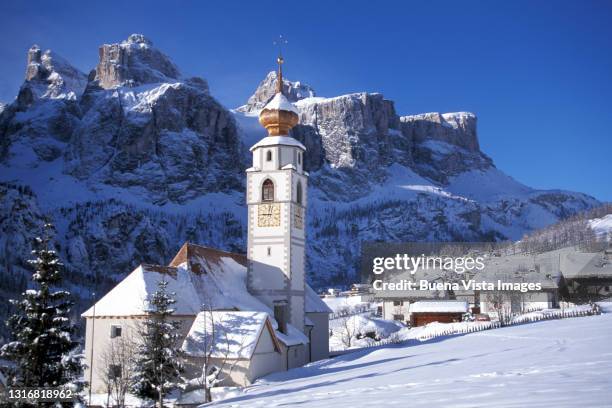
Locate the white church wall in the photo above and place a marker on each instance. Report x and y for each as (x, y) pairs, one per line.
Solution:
(294, 356)
(101, 335)
(266, 359)
(319, 336)
(274, 162)
(256, 179)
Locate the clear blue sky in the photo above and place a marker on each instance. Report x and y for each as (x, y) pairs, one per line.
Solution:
(537, 73)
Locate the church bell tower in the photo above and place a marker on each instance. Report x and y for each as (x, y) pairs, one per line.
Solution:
(276, 200)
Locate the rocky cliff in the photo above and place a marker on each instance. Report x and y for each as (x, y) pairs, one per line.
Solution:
(137, 124)
(134, 159)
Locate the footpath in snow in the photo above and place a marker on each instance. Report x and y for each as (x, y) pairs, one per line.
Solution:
(554, 363)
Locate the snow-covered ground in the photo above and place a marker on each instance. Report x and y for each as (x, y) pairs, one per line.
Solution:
(356, 327)
(602, 226)
(556, 363)
(344, 303)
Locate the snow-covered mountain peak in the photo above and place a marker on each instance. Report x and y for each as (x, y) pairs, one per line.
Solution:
(293, 90)
(48, 75)
(134, 62)
(138, 39)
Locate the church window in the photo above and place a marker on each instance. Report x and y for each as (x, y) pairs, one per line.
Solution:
(299, 193)
(269, 155)
(267, 191)
(115, 331)
(269, 251)
(300, 158)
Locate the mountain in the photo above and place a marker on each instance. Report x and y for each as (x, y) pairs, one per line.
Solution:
(266, 90)
(134, 158)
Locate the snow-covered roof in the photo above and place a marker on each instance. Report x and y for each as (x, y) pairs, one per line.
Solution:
(201, 277)
(313, 303)
(575, 264)
(292, 337)
(235, 334)
(439, 306)
(280, 102)
(278, 140)
(129, 297)
(523, 268)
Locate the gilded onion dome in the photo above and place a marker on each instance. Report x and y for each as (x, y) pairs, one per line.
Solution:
(279, 115)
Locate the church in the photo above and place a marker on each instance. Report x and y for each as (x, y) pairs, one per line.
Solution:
(252, 313)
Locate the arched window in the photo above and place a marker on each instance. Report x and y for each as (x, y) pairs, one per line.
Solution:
(269, 155)
(300, 158)
(267, 191)
(299, 193)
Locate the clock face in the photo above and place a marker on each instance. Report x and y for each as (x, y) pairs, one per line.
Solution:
(268, 215)
(298, 218)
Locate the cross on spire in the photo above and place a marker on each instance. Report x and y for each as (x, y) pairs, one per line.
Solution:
(279, 60)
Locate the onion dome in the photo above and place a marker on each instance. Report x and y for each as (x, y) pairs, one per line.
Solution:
(279, 115)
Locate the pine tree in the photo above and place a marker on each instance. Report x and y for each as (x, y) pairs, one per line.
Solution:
(42, 350)
(158, 366)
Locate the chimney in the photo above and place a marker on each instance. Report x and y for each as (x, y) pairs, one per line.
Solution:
(280, 314)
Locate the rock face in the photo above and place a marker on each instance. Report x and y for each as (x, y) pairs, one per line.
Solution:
(354, 130)
(134, 62)
(46, 110)
(143, 126)
(352, 136)
(360, 135)
(458, 129)
(50, 76)
(174, 140)
(294, 91)
(445, 145)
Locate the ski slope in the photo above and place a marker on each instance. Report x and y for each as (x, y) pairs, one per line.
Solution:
(557, 363)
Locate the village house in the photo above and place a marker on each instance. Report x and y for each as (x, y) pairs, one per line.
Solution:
(253, 313)
(445, 305)
(396, 304)
(570, 274)
(442, 311)
(587, 274)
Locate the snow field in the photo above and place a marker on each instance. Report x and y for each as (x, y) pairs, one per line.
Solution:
(556, 363)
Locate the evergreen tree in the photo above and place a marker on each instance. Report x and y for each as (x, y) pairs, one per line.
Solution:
(42, 350)
(158, 356)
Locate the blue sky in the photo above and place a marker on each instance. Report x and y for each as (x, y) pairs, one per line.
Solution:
(537, 73)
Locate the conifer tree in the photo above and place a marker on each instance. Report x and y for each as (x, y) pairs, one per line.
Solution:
(158, 365)
(42, 349)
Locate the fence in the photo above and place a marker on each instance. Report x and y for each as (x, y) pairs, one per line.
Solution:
(452, 329)
(351, 312)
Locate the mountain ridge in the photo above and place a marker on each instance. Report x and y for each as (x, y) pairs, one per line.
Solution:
(132, 167)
